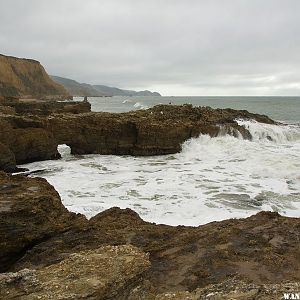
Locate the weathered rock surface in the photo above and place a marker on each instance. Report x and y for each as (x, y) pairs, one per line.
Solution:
(26, 77)
(110, 272)
(236, 290)
(30, 212)
(42, 107)
(26, 139)
(262, 249)
(38, 232)
(156, 131)
(7, 159)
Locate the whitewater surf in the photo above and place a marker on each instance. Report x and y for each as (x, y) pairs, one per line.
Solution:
(210, 179)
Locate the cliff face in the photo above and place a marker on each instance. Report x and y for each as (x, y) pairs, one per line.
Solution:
(26, 78)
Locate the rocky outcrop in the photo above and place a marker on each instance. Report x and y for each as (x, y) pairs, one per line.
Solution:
(156, 131)
(26, 78)
(51, 250)
(109, 272)
(7, 159)
(26, 139)
(43, 108)
(31, 212)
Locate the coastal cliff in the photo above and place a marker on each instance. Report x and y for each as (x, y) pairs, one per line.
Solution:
(47, 251)
(22, 77)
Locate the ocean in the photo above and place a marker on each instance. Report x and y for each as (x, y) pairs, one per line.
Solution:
(211, 179)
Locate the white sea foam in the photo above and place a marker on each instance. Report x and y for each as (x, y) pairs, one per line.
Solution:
(211, 179)
(278, 134)
(138, 105)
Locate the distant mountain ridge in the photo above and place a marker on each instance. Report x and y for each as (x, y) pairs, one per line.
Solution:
(83, 89)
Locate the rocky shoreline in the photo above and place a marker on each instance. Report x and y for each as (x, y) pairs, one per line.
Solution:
(47, 252)
(31, 131)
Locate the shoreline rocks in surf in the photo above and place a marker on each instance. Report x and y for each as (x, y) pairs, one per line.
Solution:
(156, 131)
(41, 241)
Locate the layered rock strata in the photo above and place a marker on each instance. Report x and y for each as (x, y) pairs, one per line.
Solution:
(156, 131)
(48, 250)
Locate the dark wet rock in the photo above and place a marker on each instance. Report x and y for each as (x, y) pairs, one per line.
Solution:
(7, 159)
(30, 212)
(24, 140)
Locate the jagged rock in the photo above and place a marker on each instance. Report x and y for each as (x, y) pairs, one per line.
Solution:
(30, 212)
(111, 272)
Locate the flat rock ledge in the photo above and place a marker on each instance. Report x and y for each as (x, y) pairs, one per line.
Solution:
(157, 131)
(47, 252)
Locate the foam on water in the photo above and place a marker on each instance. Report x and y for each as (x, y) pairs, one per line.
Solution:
(211, 179)
(279, 134)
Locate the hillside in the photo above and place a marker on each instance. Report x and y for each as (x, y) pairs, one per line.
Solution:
(83, 89)
(78, 89)
(26, 78)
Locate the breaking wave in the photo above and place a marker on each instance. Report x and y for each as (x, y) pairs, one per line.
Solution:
(210, 179)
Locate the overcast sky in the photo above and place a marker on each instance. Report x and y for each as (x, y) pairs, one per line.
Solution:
(176, 47)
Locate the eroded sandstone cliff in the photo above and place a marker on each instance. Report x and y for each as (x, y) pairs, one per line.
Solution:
(26, 78)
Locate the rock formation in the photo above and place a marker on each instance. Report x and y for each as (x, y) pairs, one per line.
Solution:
(48, 250)
(31, 212)
(109, 272)
(26, 78)
(42, 108)
(156, 131)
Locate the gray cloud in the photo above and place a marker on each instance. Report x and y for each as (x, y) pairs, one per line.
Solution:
(193, 47)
